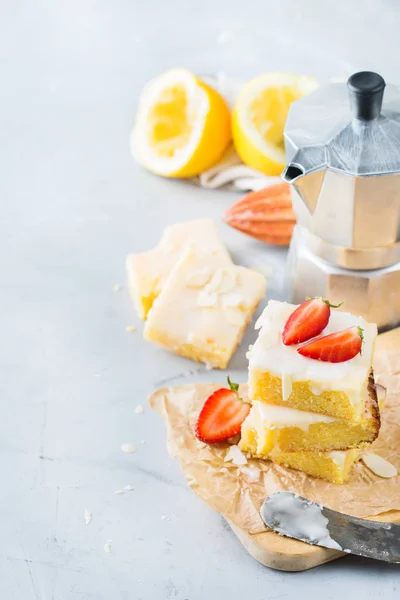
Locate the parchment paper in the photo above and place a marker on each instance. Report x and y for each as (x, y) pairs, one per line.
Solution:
(232, 494)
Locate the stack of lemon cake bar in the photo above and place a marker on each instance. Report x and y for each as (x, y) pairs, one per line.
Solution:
(309, 414)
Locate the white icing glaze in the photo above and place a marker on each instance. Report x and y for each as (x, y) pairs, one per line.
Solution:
(298, 518)
(287, 385)
(269, 354)
(268, 417)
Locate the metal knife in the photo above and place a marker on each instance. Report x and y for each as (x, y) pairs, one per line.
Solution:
(296, 517)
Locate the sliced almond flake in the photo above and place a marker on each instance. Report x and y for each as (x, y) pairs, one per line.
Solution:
(207, 300)
(107, 547)
(139, 409)
(88, 516)
(198, 278)
(235, 455)
(380, 466)
(119, 492)
(128, 488)
(235, 316)
(233, 299)
(130, 329)
(265, 269)
(229, 282)
(216, 280)
(128, 448)
(117, 287)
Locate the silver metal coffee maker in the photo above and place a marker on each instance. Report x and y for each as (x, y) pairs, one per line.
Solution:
(343, 148)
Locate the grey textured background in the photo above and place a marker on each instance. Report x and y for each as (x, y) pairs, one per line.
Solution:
(73, 204)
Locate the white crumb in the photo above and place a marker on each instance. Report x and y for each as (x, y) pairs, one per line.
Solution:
(107, 547)
(88, 516)
(235, 455)
(117, 287)
(139, 409)
(128, 448)
(128, 488)
(119, 492)
(131, 329)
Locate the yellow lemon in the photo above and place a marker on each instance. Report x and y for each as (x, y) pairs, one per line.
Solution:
(259, 117)
(182, 126)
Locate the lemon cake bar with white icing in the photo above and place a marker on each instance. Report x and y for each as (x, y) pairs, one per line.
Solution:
(148, 271)
(204, 308)
(279, 375)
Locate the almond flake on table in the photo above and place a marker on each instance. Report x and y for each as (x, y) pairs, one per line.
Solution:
(130, 329)
(380, 466)
(107, 547)
(119, 492)
(235, 455)
(139, 409)
(88, 516)
(117, 287)
(128, 488)
(128, 448)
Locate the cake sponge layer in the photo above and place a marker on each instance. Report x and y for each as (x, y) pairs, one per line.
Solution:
(289, 430)
(334, 466)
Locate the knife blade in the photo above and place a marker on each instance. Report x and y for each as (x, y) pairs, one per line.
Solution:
(296, 517)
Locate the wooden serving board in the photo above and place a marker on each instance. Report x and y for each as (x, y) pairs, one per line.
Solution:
(285, 554)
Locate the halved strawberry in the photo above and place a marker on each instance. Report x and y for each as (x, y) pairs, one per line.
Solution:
(222, 415)
(336, 347)
(307, 321)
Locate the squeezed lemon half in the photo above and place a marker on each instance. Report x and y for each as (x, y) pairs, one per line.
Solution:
(182, 126)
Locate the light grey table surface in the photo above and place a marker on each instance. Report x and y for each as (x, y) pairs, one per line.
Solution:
(73, 205)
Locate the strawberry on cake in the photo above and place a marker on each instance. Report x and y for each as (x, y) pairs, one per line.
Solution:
(312, 358)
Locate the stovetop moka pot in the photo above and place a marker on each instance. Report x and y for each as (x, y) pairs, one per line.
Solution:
(343, 148)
